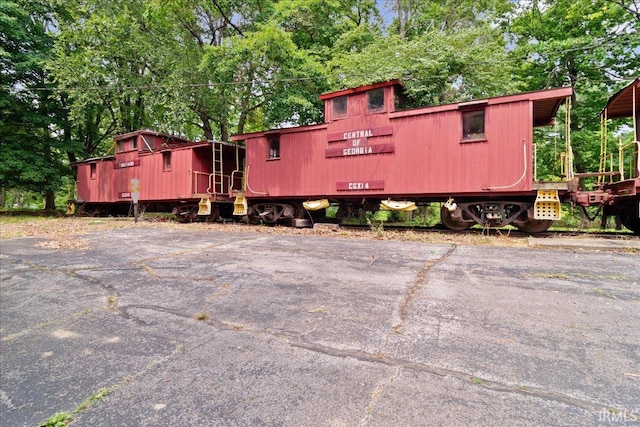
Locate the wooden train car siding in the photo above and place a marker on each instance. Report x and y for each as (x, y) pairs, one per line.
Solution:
(168, 169)
(93, 183)
(413, 154)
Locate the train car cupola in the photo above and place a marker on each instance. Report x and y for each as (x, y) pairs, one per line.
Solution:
(370, 99)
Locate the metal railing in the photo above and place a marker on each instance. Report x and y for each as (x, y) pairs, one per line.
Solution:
(633, 159)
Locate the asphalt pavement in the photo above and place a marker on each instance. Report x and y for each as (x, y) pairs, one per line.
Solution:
(159, 327)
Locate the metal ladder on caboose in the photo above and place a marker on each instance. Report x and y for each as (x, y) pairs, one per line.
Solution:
(216, 179)
(217, 175)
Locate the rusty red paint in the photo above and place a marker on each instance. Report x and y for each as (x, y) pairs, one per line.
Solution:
(189, 178)
(422, 155)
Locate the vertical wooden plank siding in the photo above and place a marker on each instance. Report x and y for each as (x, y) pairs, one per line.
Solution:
(428, 156)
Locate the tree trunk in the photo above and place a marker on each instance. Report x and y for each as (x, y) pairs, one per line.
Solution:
(224, 130)
(403, 17)
(206, 126)
(49, 201)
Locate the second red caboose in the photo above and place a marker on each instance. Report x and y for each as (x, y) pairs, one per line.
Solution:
(161, 173)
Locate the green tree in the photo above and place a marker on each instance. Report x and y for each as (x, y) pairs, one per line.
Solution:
(101, 62)
(590, 45)
(442, 51)
(184, 66)
(32, 117)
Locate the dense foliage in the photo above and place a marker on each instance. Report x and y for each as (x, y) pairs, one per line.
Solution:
(76, 72)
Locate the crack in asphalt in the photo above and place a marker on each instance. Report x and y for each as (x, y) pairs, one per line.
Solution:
(413, 290)
(401, 364)
(411, 294)
(377, 392)
(295, 340)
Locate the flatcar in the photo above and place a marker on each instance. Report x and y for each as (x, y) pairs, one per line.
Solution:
(617, 190)
(161, 173)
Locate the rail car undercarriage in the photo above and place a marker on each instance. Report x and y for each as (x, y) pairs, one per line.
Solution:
(463, 215)
(454, 215)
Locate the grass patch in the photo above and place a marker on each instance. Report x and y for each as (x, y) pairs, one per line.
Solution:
(551, 276)
(59, 419)
(604, 293)
(112, 302)
(63, 419)
(202, 316)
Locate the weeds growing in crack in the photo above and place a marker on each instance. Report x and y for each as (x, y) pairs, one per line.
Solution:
(112, 302)
(202, 316)
(63, 419)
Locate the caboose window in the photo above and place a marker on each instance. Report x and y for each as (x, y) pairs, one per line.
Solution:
(274, 148)
(473, 125)
(375, 100)
(92, 170)
(340, 107)
(166, 161)
(120, 146)
(134, 143)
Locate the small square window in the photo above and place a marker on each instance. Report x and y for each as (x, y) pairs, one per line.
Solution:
(93, 170)
(473, 125)
(166, 161)
(375, 100)
(340, 110)
(274, 148)
(120, 146)
(134, 143)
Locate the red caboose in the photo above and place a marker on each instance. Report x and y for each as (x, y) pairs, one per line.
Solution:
(476, 156)
(164, 172)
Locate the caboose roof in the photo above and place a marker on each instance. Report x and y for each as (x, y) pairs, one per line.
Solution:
(358, 89)
(93, 160)
(621, 103)
(545, 104)
(152, 133)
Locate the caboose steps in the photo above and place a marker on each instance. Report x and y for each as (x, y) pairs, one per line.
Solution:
(204, 207)
(547, 205)
(240, 205)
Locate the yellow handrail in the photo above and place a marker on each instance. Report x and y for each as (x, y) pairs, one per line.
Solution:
(567, 131)
(535, 162)
(621, 166)
(603, 145)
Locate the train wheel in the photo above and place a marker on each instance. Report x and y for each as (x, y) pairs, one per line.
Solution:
(451, 223)
(533, 225)
(186, 213)
(299, 212)
(214, 215)
(629, 218)
(253, 217)
(342, 212)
